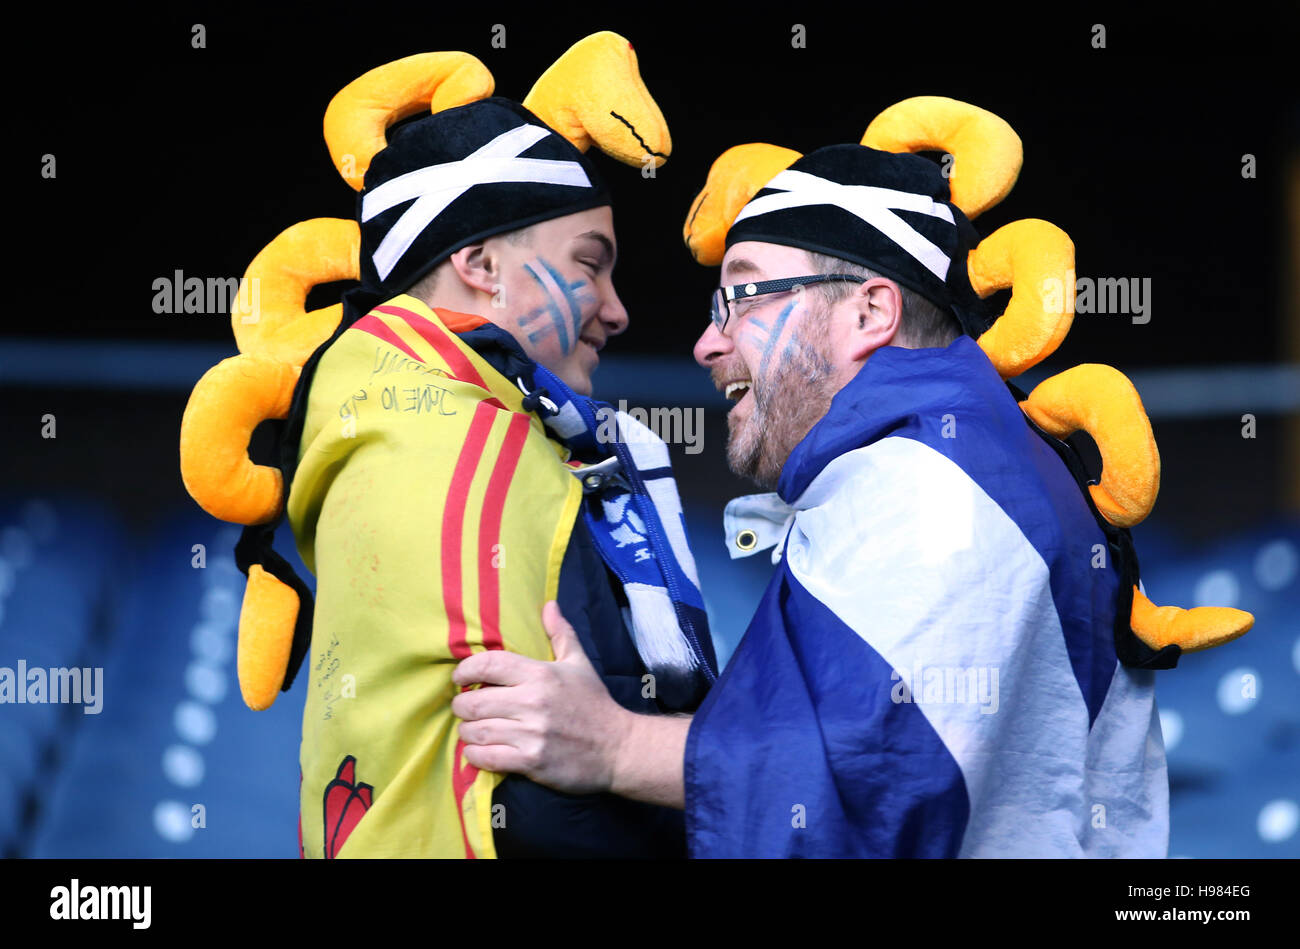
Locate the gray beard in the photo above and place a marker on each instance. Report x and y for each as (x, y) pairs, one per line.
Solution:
(794, 397)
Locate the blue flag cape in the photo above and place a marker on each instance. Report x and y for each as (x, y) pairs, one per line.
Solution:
(931, 671)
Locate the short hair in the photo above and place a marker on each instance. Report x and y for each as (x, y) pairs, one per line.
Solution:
(423, 288)
(922, 323)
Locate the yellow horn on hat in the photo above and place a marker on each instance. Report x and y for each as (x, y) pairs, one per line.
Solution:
(1101, 401)
(215, 431)
(1036, 260)
(359, 115)
(986, 151)
(1202, 627)
(270, 315)
(594, 94)
(737, 175)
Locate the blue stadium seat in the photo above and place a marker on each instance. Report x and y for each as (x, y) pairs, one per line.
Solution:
(174, 732)
(1231, 715)
(58, 556)
(175, 746)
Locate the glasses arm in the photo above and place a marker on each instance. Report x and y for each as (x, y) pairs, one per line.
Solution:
(739, 291)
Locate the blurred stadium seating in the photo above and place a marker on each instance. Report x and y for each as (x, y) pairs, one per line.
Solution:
(173, 745)
(173, 733)
(1231, 715)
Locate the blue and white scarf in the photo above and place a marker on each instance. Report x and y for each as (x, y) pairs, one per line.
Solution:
(635, 516)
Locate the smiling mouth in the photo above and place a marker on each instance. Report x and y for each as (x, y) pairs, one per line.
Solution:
(735, 391)
(594, 340)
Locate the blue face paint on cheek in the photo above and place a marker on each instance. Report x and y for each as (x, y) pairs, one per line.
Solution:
(558, 323)
(774, 337)
(541, 330)
(755, 333)
(801, 358)
(571, 296)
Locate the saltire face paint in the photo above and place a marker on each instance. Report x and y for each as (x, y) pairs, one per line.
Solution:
(773, 337)
(564, 305)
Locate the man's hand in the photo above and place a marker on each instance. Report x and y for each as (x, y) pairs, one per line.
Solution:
(553, 722)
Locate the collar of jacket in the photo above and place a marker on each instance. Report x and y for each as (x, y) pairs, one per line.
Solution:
(497, 347)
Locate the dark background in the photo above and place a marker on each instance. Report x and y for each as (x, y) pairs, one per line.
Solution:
(177, 158)
(174, 158)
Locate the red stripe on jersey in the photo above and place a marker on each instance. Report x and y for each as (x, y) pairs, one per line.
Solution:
(453, 525)
(461, 367)
(377, 327)
(462, 779)
(489, 576)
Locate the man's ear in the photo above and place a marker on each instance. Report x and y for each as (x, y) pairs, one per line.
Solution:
(477, 266)
(875, 314)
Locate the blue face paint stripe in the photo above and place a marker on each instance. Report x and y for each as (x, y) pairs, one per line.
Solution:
(557, 317)
(773, 338)
(569, 296)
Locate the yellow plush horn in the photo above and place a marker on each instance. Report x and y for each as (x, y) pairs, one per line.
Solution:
(986, 151)
(1203, 627)
(1036, 260)
(358, 117)
(737, 175)
(594, 93)
(1101, 401)
(269, 316)
(215, 431)
(266, 623)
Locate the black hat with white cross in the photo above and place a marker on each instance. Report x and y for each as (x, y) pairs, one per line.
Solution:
(886, 211)
(461, 175)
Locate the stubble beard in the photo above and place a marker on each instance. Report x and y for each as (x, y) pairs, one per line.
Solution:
(787, 404)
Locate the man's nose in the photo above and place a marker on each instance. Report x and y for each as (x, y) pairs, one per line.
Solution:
(711, 346)
(613, 314)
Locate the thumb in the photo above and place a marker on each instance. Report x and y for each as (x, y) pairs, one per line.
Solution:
(564, 641)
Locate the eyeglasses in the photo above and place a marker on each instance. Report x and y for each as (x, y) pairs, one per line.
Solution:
(723, 297)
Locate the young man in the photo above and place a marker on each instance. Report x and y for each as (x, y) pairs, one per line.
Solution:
(927, 535)
(449, 482)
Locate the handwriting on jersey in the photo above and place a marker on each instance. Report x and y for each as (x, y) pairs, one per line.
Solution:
(325, 667)
(427, 399)
(424, 398)
(387, 361)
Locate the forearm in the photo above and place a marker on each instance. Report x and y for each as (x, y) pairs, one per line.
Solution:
(650, 760)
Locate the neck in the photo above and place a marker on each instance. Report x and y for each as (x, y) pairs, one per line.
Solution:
(456, 299)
